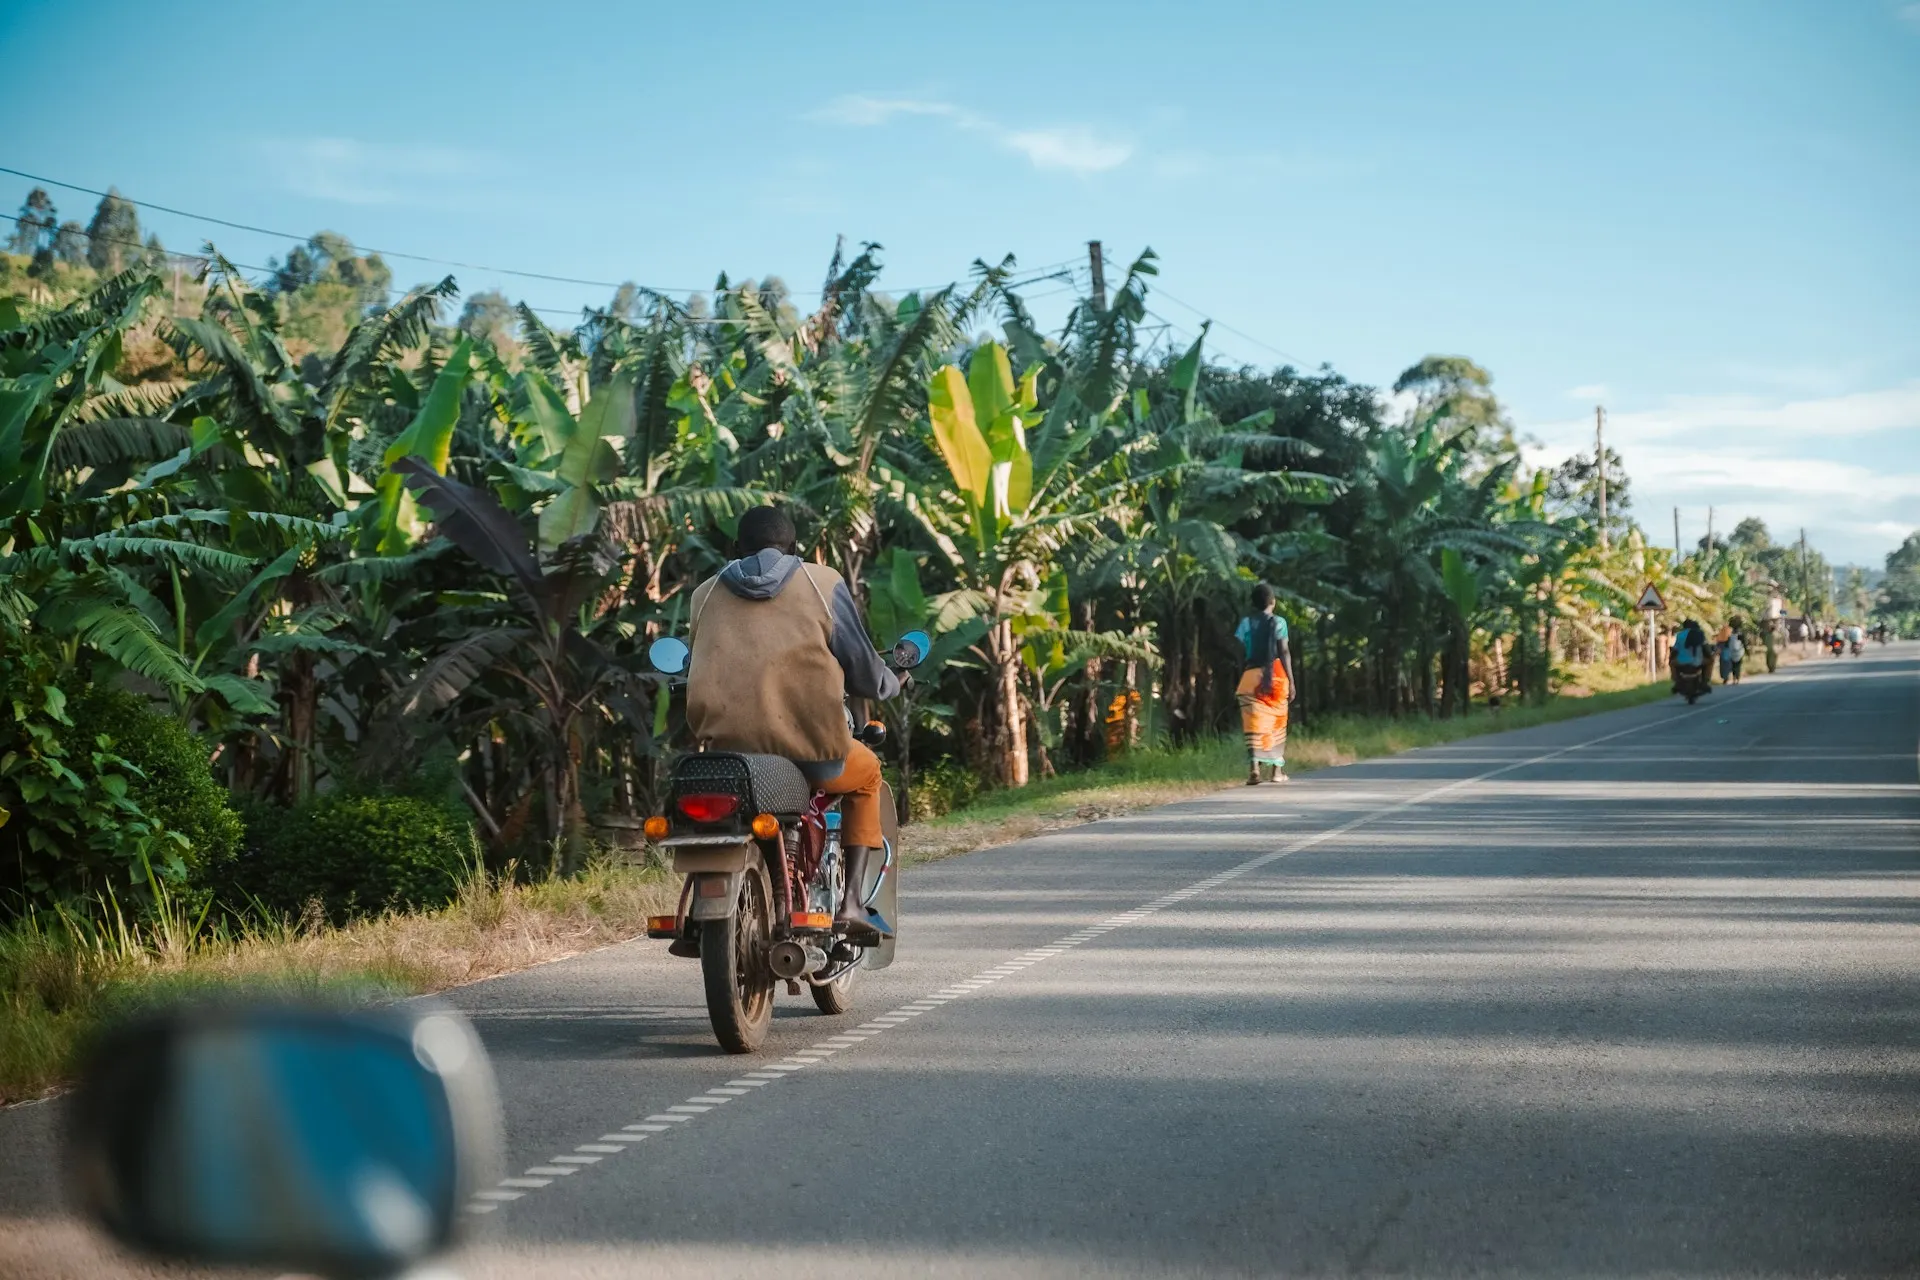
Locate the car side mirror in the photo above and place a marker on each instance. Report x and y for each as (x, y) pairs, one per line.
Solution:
(292, 1139)
(669, 655)
(911, 649)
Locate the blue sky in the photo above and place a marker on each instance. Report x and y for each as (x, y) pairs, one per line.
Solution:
(1705, 215)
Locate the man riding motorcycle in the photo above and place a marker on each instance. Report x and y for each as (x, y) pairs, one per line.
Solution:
(1689, 656)
(777, 646)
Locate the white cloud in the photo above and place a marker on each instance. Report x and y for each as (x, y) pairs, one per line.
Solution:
(1910, 14)
(861, 110)
(1846, 467)
(1071, 148)
(1588, 391)
(1075, 149)
(355, 172)
(1854, 414)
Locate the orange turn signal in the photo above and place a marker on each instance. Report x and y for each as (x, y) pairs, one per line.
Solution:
(812, 920)
(766, 826)
(663, 926)
(654, 828)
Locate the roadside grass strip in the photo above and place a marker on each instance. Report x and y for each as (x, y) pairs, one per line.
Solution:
(542, 1175)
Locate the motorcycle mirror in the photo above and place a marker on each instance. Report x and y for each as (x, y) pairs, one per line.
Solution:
(912, 649)
(668, 654)
(290, 1139)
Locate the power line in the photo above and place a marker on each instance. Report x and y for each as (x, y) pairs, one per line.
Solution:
(396, 253)
(288, 235)
(1221, 324)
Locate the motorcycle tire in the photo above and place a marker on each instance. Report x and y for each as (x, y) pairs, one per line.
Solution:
(835, 996)
(733, 962)
(1692, 697)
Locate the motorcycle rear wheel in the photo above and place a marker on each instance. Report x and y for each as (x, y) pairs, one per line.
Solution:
(733, 963)
(835, 996)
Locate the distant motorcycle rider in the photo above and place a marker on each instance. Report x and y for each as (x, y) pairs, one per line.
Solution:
(1689, 650)
(777, 645)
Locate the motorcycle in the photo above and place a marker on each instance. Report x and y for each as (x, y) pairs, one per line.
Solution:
(1856, 647)
(1690, 680)
(765, 877)
(1837, 646)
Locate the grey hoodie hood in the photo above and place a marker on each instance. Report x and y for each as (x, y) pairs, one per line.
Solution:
(760, 576)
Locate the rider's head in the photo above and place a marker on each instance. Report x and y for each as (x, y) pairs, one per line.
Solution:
(1262, 598)
(765, 527)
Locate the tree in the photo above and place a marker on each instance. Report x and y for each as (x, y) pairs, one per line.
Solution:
(1899, 603)
(1456, 391)
(491, 318)
(1574, 490)
(34, 229)
(1002, 514)
(70, 244)
(1750, 536)
(113, 237)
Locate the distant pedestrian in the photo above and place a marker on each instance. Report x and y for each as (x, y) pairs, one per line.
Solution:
(1733, 651)
(1266, 686)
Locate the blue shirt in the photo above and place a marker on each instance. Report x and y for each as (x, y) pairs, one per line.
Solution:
(1244, 633)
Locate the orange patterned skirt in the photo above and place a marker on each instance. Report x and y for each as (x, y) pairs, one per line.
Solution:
(1263, 717)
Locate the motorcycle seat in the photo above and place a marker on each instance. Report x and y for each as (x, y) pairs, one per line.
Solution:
(778, 785)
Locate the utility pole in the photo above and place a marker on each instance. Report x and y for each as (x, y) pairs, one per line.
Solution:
(1806, 583)
(1709, 546)
(1099, 269)
(1676, 537)
(1600, 456)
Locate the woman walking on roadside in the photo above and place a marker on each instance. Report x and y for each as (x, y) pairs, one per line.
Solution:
(1732, 653)
(1266, 686)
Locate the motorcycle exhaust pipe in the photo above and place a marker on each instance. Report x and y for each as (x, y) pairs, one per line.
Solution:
(790, 959)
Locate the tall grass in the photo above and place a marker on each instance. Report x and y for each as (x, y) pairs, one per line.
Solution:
(64, 973)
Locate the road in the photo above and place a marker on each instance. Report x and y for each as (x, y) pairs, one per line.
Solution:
(1629, 995)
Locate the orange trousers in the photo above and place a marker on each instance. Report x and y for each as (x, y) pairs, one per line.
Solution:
(859, 782)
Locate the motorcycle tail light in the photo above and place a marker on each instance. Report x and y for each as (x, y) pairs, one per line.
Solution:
(663, 926)
(703, 807)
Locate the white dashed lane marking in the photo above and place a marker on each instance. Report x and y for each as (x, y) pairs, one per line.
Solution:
(542, 1175)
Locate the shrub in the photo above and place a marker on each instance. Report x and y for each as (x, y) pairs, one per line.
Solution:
(79, 816)
(353, 854)
(178, 788)
(941, 789)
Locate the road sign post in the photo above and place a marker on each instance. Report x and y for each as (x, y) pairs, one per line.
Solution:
(1651, 603)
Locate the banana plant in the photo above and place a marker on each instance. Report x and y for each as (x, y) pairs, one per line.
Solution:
(1010, 504)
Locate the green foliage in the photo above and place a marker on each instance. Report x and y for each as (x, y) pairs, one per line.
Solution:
(349, 533)
(72, 819)
(942, 789)
(176, 786)
(354, 855)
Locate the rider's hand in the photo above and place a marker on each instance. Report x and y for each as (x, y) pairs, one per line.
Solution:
(906, 681)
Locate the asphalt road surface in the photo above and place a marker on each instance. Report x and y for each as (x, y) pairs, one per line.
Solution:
(1630, 995)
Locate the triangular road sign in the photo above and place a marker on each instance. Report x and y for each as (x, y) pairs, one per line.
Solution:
(1650, 599)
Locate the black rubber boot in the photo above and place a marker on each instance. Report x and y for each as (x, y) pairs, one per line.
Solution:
(852, 918)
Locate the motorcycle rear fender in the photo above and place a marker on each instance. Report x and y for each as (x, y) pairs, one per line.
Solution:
(690, 860)
(714, 894)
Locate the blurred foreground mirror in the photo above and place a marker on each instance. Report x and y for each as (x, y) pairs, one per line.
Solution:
(338, 1144)
(912, 649)
(668, 654)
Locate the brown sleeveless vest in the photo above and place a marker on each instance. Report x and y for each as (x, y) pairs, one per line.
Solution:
(762, 676)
